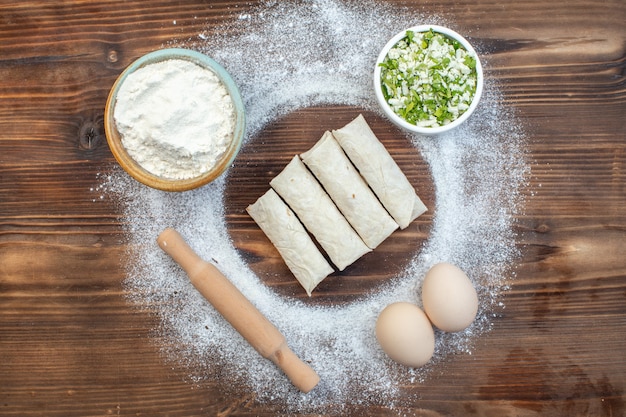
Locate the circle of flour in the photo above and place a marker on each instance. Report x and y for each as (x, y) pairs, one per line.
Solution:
(311, 55)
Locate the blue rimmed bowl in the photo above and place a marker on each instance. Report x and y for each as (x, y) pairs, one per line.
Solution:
(132, 167)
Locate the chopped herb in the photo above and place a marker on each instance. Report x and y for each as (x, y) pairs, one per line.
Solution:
(428, 79)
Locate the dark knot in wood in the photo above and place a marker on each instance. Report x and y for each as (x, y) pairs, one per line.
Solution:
(91, 134)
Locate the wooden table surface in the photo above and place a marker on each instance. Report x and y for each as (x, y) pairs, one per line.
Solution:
(71, 344)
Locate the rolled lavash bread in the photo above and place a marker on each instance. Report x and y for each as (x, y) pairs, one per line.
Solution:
(317, 212)
(349, 191)
(292, 241)
(380, 171)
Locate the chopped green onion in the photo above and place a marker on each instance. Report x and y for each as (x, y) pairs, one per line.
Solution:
(428, 79)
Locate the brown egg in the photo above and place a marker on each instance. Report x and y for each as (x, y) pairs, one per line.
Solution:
(405, 334)
(449, 298)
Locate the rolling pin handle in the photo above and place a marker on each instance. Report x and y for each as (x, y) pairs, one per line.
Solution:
(301, 375)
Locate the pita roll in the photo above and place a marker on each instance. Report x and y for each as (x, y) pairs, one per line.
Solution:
(380, 171)
(306, 197)
(349, 191)
(292, 241)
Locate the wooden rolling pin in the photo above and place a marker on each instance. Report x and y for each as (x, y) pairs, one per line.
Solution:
(238, 311)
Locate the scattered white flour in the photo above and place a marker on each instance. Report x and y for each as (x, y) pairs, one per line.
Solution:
(294, 55)
(175, 118)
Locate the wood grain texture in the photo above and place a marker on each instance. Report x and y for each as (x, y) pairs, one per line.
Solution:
(71, 345)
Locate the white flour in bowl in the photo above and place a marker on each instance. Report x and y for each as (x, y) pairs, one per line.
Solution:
(289, 56)
(175, 118)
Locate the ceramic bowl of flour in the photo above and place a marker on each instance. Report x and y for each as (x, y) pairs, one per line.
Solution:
(174, 119)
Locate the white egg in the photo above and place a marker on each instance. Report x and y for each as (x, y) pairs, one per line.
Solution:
(449, 298)
(405, 334)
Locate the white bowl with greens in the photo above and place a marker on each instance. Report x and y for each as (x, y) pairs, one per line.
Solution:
(428, 79)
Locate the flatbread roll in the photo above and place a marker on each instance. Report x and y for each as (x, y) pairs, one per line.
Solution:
(380, 171)
(306, 197)
(349, 191)
(294, 244)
